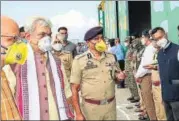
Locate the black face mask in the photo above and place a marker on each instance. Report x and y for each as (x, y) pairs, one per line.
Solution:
(3, 48)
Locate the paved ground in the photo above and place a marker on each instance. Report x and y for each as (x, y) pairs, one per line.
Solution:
(122, 112)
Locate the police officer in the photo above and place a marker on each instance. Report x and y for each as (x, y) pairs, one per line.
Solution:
(95, 73)
(66, 58)
(156, 87)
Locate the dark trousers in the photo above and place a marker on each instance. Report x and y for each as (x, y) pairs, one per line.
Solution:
(172, 110)
(122, 67)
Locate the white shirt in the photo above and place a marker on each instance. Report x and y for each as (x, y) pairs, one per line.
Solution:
(147, 58)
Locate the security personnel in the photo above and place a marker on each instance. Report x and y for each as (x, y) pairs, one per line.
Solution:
(95, 73)
(156, 89)
(66, 58)
(128, 67)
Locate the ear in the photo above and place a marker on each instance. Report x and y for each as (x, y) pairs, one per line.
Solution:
(27, 36)
(87, 42)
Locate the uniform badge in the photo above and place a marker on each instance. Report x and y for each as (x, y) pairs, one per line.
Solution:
(90, 65)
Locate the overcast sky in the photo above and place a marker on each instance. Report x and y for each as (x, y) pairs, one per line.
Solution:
(78, 16)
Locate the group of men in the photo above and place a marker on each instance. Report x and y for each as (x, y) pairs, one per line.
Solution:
(41, 77)
(36, 73)
(153, 79)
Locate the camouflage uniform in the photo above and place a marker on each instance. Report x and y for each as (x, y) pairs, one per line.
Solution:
(128, 66)
(136, 46)
(140, 51)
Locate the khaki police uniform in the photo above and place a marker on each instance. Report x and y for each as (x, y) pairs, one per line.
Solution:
(157, 96)
(67, 59)
(96, 79)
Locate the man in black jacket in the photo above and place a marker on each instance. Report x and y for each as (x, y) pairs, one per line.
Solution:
(168, 60)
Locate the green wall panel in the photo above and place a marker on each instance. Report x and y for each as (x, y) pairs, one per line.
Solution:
(123, 19)
(110, 19)
(166, 15)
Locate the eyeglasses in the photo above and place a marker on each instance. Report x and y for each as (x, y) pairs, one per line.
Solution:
(55, 42)
(14, 38)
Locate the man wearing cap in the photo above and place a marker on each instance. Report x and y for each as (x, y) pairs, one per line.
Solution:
(95, 73)
(143, 75)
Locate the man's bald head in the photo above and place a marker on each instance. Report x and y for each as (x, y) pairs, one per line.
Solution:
(8, 28)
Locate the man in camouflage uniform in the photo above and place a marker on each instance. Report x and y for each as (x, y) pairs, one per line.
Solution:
(130, 81)
(137, 55)
(136, 46)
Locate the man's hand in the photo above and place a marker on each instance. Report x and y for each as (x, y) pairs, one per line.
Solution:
(80, 117)
(150, 66)
(120, 76)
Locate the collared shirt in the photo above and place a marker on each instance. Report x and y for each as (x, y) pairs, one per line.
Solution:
(9, 109)
(118, 51)
(94, 76)
(70, 47)
(147, 58)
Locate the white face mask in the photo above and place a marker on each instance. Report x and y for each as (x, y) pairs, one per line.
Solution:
(44, 44)
(57, 47)
(162, 42)
(143, 41)
(126, 44)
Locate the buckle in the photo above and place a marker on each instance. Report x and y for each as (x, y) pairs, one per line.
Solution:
(104, 102)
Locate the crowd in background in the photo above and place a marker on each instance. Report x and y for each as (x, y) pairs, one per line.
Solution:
(155, 99)
(41, 76)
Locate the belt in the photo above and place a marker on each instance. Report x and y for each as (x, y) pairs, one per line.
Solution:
(100, 102)
(148, 74)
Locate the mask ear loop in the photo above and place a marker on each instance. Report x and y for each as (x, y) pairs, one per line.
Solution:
(4, 48)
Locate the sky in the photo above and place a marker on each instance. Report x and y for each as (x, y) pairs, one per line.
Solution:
(77, 16)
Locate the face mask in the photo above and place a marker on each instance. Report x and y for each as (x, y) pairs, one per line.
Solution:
(16, 53)
(100, 46)
(143, 41)
(62, 37)
(44, 44)
(162, 42)
(57, 47)
(126, 44)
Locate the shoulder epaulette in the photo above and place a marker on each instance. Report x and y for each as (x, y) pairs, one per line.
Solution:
(80, 56)
(111, 54)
